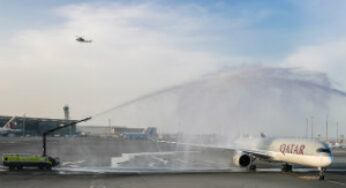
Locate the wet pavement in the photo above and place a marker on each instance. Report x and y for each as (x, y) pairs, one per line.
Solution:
(113, 162)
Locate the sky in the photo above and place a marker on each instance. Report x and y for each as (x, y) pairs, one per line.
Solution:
(140, 47)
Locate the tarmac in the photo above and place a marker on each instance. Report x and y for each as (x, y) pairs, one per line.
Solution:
(181, 180)
(96, 162)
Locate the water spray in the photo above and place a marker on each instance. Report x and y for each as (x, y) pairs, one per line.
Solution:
(241, 97)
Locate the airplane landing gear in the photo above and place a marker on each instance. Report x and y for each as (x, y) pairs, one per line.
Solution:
(252, 168)
(321, 174)
(286, 168)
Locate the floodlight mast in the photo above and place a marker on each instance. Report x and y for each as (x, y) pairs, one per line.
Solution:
(44, 135)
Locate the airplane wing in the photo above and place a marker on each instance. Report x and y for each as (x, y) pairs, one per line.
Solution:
(262, 154)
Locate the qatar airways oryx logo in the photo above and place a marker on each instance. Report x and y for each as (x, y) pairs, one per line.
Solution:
(292, 148)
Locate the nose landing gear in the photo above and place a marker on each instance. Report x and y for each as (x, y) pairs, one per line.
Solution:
(321, 174)
(286, 168)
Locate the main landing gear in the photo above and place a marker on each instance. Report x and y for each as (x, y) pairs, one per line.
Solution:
(252, 168)
(286, 168)
(321, 174)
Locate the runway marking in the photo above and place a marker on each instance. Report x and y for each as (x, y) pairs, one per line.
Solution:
(309, 177)
(72, 164)
(336, 182)
(97, 186)
(316, 178)
(115, 161)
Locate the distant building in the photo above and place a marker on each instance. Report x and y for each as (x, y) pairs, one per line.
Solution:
(37, 126)
(121, 130)
(107, 130)
(115, 131)
(94, 130)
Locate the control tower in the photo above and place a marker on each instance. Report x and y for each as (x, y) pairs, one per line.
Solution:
(67, 112)
(72, 129)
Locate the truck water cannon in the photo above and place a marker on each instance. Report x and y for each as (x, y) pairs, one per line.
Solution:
(57, 128)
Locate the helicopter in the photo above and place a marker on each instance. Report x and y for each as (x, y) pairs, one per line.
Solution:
(82, 39)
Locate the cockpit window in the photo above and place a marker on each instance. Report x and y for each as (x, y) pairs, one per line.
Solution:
(325, 150)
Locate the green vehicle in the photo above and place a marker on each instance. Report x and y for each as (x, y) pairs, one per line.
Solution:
(18, 161)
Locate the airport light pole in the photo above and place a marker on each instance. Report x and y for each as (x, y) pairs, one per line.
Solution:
(327, 128)
(307, 128)
(312, 129)
(24, 125)
(110, 126)
(337, 132)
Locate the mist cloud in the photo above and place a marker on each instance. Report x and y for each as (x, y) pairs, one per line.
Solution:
(236, 101)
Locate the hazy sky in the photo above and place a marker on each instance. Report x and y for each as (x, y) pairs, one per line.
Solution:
(143, 46)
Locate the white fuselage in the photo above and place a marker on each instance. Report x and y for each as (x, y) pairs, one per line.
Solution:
(8, 128)
(307, 152)
(4, 131)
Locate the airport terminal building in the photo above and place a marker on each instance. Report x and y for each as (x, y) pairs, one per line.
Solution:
(32, 126)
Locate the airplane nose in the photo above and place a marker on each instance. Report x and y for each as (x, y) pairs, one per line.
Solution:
(327, 160)
(331, 159)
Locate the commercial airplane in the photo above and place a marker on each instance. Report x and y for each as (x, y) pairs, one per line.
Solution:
(9, 128)
(306, 152)
(147, 133)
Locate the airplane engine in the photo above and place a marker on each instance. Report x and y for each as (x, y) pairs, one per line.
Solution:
(242, 160)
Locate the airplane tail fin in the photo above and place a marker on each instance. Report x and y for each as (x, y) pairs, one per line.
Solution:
(151, 131)
(10, 124)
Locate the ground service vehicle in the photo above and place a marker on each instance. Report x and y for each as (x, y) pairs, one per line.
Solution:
(18, 161)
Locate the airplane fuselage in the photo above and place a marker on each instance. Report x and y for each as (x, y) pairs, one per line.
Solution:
(307, 152)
